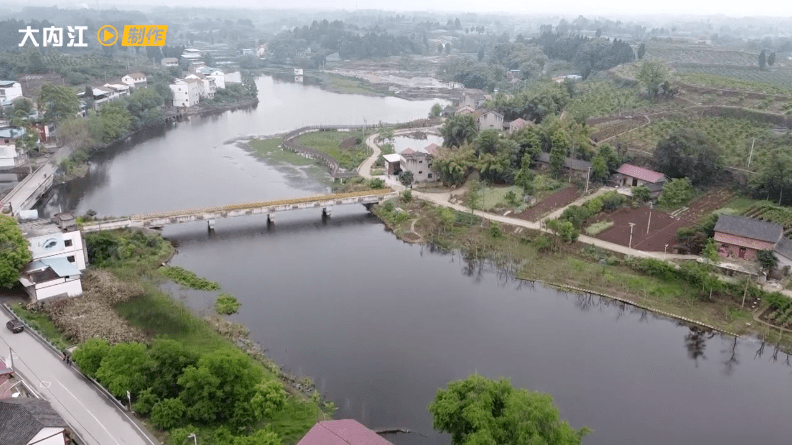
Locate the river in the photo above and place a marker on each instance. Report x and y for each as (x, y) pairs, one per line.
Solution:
(380, 325)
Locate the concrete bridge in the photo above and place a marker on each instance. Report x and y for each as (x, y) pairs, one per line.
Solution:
(211, 214)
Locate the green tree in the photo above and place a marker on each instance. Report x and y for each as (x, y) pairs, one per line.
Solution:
(563, 230)
(558, 155)
(771, 58)
(641, 51)
(226, 387)
(169, 360)
(145, 402)
(453, 164)
(676, 193)
(90, 354)
(459, 130)
(376, 183)
(710, 251)
(15, 253)
(168, 413)
(436, 110)
(494, 167)
(473, 195)
(653, 75)
(688, 153)
(641, 193)
(762, 60)
(767, 259)
(479, 411)
(486, 141)
(599, 169)
(775, 177)
(406, 178)
(124, 368)
(58, 103)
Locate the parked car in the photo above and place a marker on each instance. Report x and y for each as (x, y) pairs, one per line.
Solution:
(15, 326)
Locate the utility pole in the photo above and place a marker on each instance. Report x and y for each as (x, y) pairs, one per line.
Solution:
(751, 155)
(745, 293)
(631, 232)
(665, 252)
(649, 223)
(588, 175)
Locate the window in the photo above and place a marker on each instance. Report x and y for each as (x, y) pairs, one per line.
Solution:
(420, 172)
(68, 242)
(70, 259)
(430, 176)
(420, 162)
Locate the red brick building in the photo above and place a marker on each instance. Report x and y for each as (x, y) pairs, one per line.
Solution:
(742, 238)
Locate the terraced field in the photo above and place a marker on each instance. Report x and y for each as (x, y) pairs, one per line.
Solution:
(701, 54)
(777, 80)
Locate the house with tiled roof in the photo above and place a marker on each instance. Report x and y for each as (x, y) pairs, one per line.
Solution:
(341, 432)
(26, 421)
(629, 175)
(135, 80)
(490, 119)
(517, 124)
(576, 167)
(741, 237)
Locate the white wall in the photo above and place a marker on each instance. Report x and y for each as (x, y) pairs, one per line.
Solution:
(76, 250)
(48, 436)
(52, 288)
(12, 92)
(420, 166)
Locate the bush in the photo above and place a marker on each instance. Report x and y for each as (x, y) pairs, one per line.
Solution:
(377, 183)
(594, 205)
(612, 201)
(495, 229)
(227, 304)
(188, 278)
(167, 413)
(676, 193)
(543, 243)
(577, 215)
(641, 193)
(145, 402)
(407, 195)
(90, 354)
(467, 219)
(387, 207)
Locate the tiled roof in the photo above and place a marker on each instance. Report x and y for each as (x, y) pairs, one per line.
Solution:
(517, 123)
(407, 151)
(570, 163)
(341, 432)
(641, 173)
(784, 247)
(749, 228)
(431, 148)
(22, 418)
(393, 157)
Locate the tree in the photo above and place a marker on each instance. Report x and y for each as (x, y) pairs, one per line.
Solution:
(641, 51)
(641, 193)
(15, 251)
(486, 141)
(167, 413)
(653, 75)
(459, 130)
(710, 251)
(90, 354)
(775, 177)
(480, 54)
(599, 169)
(762, 60)
(563, 230)
(436, 111)
(57, 102)
(767, 260)
(676, 193)
(473, 195)
(478, 411)
(125, 368)
(771, 58)
(406, 178)
(260, 437)
(457, 24)
(688, 153)
(453, 164)
(598, 34)
(169, 360)
(226, 387)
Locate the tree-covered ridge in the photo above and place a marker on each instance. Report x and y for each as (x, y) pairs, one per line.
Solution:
(588, 55)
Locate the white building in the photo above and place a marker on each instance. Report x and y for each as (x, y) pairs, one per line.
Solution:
(219, 78)
(235, 77)
(419, 162)
(10, 90)
(135, 80)
(59, 257)
(8, 156)
(298, 71)
(208, 85)
(186, 94)
(170, 61)
(117, 89)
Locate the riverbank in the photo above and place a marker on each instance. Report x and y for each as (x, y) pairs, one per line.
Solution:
(124, 285)
(534, 256)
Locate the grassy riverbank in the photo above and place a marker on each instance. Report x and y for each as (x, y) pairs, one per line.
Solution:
(529, 255)
(346, 147)
(123, 284)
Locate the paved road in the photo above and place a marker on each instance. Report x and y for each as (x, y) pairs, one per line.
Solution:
(90, 413)
(28, 186)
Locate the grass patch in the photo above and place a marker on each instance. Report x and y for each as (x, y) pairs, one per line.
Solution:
(188, 278)
(43, 324)
(330, 143)
(497, 198)
(269, 149)
(227, 304)
(598, 227)
(346, 85)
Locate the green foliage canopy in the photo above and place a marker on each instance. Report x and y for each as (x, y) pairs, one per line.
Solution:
(15, 254)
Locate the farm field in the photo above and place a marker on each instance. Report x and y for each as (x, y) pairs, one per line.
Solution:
(777, 80)
(663, 227)
(552, 202)
(681, 52)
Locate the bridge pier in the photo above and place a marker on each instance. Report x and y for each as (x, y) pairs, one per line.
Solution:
(210, 225)
(270, 219)
(326, 211)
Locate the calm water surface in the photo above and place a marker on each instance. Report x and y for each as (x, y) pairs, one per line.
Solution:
(381, 325)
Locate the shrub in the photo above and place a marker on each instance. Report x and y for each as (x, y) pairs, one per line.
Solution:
(543, 243)
(565, 230)
(577, 215)
(407, 195)
(188, 278)
(611, 201)
(145, 402)
(676, 193)
(594, 205)
(465, 218)
(167, 413)
(90, 354)
(227, 304)
(495, 229)
(641, 193)
(377, 183)
(387, 207)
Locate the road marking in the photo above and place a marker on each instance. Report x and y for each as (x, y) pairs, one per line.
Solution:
(88, 411)
(45, 384)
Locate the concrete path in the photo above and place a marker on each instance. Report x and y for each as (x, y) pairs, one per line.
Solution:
(90, 413)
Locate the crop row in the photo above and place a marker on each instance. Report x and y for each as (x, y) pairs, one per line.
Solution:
(776, 80)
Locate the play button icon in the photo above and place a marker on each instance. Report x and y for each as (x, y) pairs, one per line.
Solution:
(107, 35)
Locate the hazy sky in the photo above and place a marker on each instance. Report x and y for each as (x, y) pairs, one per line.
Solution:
(570, 7)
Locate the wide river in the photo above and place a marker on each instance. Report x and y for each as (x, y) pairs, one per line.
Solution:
(381, 325)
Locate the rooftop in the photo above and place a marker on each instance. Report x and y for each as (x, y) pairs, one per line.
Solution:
(22, 418)
(749, 228)
(38, 228)
(136, 75)
(570, 163)
(12, 132)
(341, 432)
(393, 157)
(7, 83)
(784, 247)
(641, 173)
